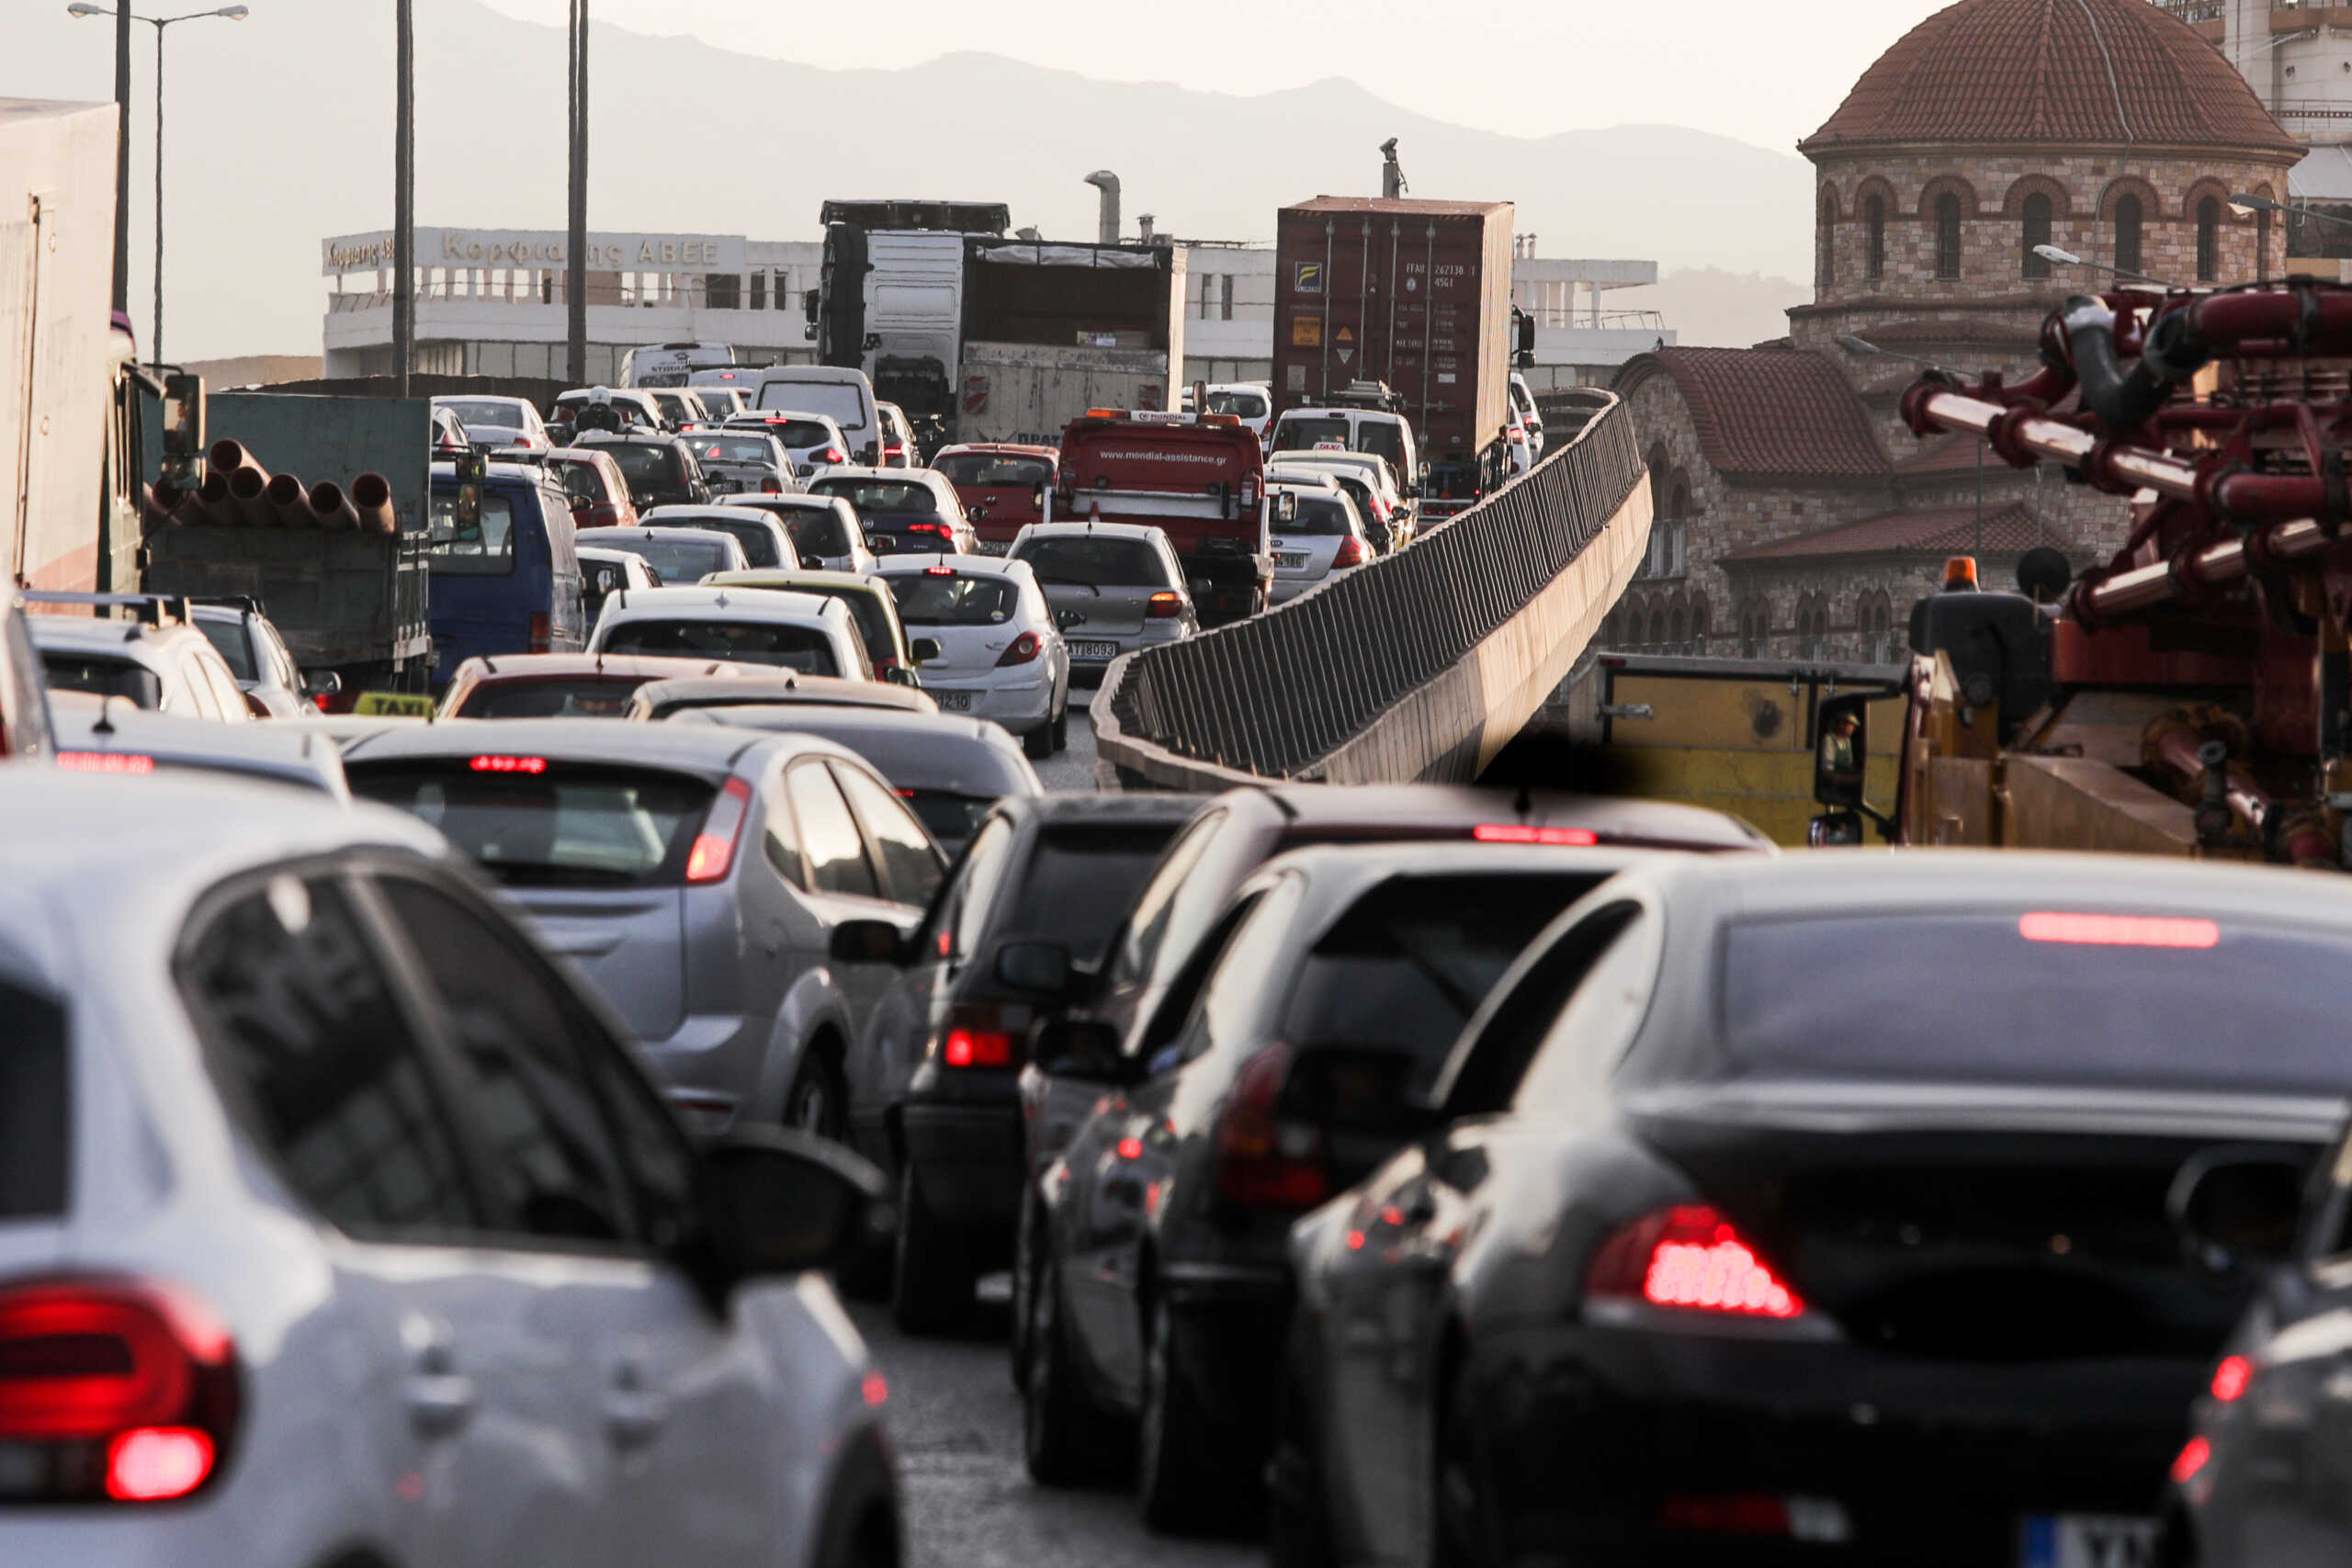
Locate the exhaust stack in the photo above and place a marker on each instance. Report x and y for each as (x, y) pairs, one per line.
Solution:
(1107, 183)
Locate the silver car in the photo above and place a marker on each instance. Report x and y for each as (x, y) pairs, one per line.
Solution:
(762, 533)
(695, 874)
(1114, 587)
(824, 529)
(339, 1225)
(813, 442)
(1321, 543)
(742, 460)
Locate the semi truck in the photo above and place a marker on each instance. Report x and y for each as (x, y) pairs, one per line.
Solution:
(1404, 304)
(1200, 478)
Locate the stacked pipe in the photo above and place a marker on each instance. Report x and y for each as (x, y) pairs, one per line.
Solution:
(238, 492)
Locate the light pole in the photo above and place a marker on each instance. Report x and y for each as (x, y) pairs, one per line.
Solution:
(82, 9)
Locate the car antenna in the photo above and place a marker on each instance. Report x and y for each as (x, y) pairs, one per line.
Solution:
(105, 725)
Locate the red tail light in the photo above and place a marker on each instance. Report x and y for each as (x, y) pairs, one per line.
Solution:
(1263, 1162)
(542, 632)
(1349, 553)
(2231, 1377)
(118, 1390)
(1525, 833)
(1689, 1259)
(770, 487)
(983, 1034)
(2190, 1459)
(894, 451)
(832, 454)
(1164, 606)
(714, 849)
(1023, 649)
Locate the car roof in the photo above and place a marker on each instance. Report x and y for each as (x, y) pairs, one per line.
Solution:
(967, 566)
(1011, 448)
(692, 599)
(1360, 865)
(768, 683)
(659, 517)
(627, 438)
(87, 633)
(664, 531)
(914, 750)
(811, 373)
(903, 476)
(1144, 531)
(501, 666)
(1618, 821)
(255, 751)
(1149, 806)
(775, 504)
(778, 579)
(440, 398)
(598, 552)
(707, 748)
(1301, 482)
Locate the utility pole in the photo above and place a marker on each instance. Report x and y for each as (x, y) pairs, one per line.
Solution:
(575, 246)
(404, 199)
(122, 157)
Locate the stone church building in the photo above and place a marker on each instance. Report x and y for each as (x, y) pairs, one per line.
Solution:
(1796, 516)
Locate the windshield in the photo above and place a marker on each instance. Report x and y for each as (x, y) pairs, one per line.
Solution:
(487, 549)
(673, 560)
(1320, 517)
(675, 407)
(713, 448)
(879, 497)
(102, 676)
(234, 646)
(545, 823)
(1241, 405)
(1080, 883)
(954, 601)
(1383, 438)
(868, 609)
(757, 539)
(837, 401)
(1097, 562)
(584, 481)
(473, 411)
(951, 819)
(988, 468)
(815, 531)
(587, 698)
(2171, 990)
(781, 645)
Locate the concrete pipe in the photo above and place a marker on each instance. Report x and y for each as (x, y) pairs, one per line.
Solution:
(290, 502)
(156, 504)
(228, 454)
(248, 489)
(212, 501)
(332, 507)
(371, 497)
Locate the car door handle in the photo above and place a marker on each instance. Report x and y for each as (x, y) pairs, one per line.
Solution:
(634, 1414)
(439, 1403)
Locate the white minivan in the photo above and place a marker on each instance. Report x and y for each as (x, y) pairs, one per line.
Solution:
(842, 395)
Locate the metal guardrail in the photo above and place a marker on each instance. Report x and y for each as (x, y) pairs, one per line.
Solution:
(1272, 695)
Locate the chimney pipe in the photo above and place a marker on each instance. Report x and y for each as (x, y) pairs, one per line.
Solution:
(1392, 173)
(1107, 183)
(1143, 226)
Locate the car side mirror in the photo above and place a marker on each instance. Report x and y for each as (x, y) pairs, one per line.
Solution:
(1066, 619)
(867, 942)
(1286, 506)
(900, 675)
(1084, 1049)
(783, 1201)
(1037, 499)
(2235, 1206)
(580, 507)
(319, 683)
(925, 649)
(1040, 966)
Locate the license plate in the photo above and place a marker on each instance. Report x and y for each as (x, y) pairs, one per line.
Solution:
(2087, 1541)
(1297, 560)
(995, 546)
(1105, 650)
(952, 702)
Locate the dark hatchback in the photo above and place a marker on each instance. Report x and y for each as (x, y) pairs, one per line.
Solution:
(661, 469)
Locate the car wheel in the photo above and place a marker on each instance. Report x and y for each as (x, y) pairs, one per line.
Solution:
(1062, 1433)
(1026, 1263)
(816, 1102)
(1038, 744)
(931, 1274)
(1061, 727)
(1455, 1522)
(1180, 1486)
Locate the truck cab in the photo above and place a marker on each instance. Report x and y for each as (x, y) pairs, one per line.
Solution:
(1200, 478)
(506, 580)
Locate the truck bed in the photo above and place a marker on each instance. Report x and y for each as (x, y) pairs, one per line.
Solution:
(337, 598)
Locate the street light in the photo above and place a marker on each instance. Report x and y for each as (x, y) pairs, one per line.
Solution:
(231, 12)
(2068, 258)
(2242, 204)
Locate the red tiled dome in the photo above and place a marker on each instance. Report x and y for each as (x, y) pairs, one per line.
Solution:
(2038, 70)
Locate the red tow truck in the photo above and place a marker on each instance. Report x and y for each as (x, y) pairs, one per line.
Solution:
(1201, 478)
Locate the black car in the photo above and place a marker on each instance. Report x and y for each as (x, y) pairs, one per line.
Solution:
(1277, 1070)
(933, 1085)
(1814, 1208)
(660, 469)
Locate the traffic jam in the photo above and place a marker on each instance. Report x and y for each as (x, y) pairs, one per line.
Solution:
(534, 946)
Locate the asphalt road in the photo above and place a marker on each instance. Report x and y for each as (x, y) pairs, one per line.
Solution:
(1074, 768)
(956, 1423)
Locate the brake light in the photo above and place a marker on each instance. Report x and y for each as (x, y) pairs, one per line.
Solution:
(1349, 553)
(976, 1048)
(1526, 833)
(832, 454)
(983, 1034)
(894, 451)
(1689, 1258)
(2118, 930)
(2231, 1377)
(1023, 649)
(714, 849)
(509, 764)
(770, 487)
(2191, 1459)
(1518, 436)
(1164, 606)
(105, 762)
(542, 632)
(118, 1390)
(1263, 1162)
(939, 571)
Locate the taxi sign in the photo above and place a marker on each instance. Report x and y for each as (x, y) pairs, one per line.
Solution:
(397, 704)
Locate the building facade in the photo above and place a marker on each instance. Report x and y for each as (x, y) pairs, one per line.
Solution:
(1797, 516)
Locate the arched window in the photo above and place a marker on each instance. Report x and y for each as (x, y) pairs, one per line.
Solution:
(1947, 236)
(1697, 623)
(2037, 232)
(1874, 210)
(2127, 233)
(1755, 626)
(1825, 260)
(1677, 631)
(2209, 239)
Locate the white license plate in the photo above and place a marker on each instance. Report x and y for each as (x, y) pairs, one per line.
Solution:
(2087, 1541)
(1094, 650)
(952, 702)
(995, 546)
(1300, 560)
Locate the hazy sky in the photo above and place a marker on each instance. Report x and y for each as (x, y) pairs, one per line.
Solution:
(1764, 74)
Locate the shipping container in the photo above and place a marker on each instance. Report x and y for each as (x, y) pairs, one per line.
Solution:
(1412, 294)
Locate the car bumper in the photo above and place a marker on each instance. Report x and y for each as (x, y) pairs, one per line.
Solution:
(1019, 708)
(1614, 1437)
(1289, 588)
(1230, 1320)
(966, 1160)
(709, 1067)
(1152, 635)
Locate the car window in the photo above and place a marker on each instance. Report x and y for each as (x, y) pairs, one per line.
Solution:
(1243, 405)
(840, 401)
(1100, 562)
(485, 550)
(678, 561)
(953, 599)
(1234, 991)
(1382, 439)
(518, 1036)
(580, 480)
(896, 841)
(830, 844)
(100, 675)
(1486, 1069)
(781, 840)
(1607, 1005)
(779, 644)
(1307, 434)
(229, 639)
(317, 1059)
(1081, 878)
(36, 1123)
(508, 416)
(1166, 1040)
(1319, 517)
(544, 822)
(873, 497)
(978, 468)
(963, 919)
(713, 446)
(1148, 922)
(657, 1162)
(817, 533)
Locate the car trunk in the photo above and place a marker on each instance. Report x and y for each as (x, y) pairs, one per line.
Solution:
(630, 943)
(1305, 556)
(1118, 610)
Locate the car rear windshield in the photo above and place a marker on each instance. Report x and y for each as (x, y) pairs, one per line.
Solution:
(872, 497)
(644, 466)
(758, 542)
(506, 416)
(836, 401)
(1410, 961)
(579, 479)
(1305, 435)
(542, 822)
(34, 1126)
(1241, 405)
(797, 434)
(957, 600)
(734, 448)
(1081, 880)
(786, 647)
(950, 818)
(548, 699)
(1096, 562)
(816, 532)
(2157, 1000)
(677, 560)
(989, 468)
(484, 550)
(102, 676)
(867, 608)
(1384, 439)
(1319, 517)
(234, 646)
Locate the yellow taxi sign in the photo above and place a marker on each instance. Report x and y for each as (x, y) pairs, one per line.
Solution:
(397, 704)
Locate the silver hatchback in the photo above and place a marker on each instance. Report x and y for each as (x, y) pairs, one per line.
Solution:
(694, 873)
(1115, 586)
(1322, 543)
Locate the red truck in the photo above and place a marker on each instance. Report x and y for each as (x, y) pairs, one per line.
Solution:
(1002, 486)
(1201, 478)
(1391, 296)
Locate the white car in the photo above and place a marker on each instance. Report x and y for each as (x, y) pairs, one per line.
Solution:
(1248, 402)
(169, 668)
(749, 625)
(633, 407)
(1522, 398)
(1321, 542)
(842, 395)
(494, 422)
(343, 1227)
(761, 533)
(824, 529)
(813, 442)
(1001, 654)
(675, 554)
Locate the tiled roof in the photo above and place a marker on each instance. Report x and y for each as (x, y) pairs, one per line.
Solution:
(1953, 454)
(1938, 530)
(1765, 414)
(2038, 71)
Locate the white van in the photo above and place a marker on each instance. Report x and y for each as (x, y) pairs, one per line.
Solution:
(1248, 402)
(670, 364)
(842, 395)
